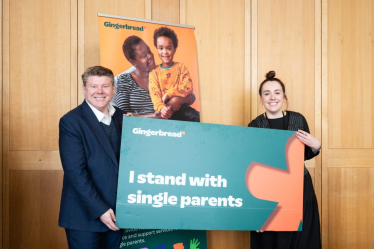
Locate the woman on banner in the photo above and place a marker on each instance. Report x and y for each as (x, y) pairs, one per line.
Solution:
(132, 91)
(273, 95)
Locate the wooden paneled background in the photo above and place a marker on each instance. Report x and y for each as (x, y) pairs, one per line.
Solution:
(322, 49)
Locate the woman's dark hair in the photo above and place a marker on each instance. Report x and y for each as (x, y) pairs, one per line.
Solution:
(128, 46)
(164, 31)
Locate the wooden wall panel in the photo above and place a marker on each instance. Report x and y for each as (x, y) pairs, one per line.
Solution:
(1, 122)
(4, 124)
(219, 32)
(286, 45)
(34, 208)
(220, 50)
(324, 100)
(351, 203)
(40, 72)
(347, 115)
(351, 74)
(228, 239)
(165, 11)
(39, 86)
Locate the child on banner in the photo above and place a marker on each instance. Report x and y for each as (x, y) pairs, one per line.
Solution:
(170, 78)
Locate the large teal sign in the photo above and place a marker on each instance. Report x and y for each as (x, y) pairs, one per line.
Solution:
(185, 175)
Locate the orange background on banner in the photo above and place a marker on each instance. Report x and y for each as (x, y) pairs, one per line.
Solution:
(111, 41)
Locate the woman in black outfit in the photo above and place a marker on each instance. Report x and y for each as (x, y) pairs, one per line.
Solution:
(273, 95)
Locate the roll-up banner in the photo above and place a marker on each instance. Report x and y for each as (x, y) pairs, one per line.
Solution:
(155, 67)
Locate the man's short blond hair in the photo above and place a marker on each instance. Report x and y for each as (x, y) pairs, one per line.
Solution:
(97, 71)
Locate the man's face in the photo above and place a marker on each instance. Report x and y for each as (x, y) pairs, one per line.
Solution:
(99, 92)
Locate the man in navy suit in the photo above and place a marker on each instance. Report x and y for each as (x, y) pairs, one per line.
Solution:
(89, 143)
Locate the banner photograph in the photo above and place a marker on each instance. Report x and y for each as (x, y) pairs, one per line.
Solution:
(155, 67)
(186, 175)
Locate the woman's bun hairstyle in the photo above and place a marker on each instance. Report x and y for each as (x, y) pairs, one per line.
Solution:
(270, 75)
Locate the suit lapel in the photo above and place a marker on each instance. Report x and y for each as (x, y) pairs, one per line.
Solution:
(92, 121)
(118, 117)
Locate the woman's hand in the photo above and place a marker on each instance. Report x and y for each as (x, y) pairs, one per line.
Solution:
(157, 114)
(308, 140)
(166, 112)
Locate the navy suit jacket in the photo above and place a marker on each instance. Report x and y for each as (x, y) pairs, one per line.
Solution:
(90, 170)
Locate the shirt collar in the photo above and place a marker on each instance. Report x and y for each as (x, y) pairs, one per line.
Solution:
(101, 117)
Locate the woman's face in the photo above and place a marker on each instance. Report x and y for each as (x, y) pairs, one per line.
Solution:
(272, 97)
(144, 59)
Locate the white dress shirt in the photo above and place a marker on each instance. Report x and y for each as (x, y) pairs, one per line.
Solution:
(101, 116)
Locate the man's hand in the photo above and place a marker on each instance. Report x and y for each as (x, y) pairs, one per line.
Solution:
(108, 218)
